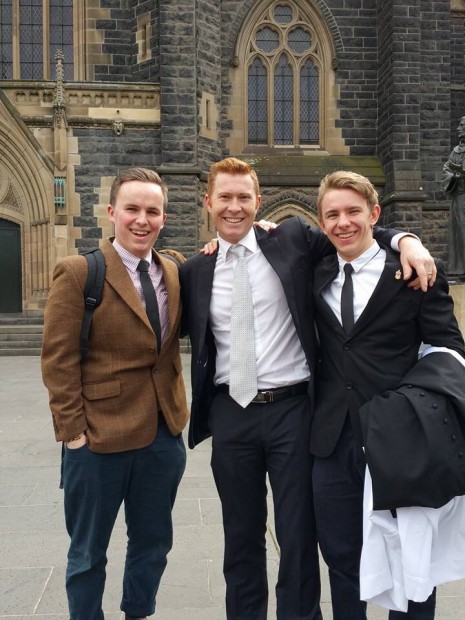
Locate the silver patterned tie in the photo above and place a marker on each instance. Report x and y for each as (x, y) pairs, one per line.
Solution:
(242, 369)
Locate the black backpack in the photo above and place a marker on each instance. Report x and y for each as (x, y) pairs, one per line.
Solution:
(92, 295)
(93, 290)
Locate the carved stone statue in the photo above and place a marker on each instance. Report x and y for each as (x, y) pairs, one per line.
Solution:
(453, 183)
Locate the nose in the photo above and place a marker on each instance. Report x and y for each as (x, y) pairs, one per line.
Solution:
(343, 220)
(234, 204)
(141, 217)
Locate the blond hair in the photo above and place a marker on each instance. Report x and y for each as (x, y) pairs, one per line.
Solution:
(345, 179)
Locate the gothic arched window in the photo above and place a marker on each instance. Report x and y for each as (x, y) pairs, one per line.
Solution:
(283, 78)
(43, 27)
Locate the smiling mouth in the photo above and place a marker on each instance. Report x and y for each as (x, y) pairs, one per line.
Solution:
(233, 220)
(345, 235)
(140, 233)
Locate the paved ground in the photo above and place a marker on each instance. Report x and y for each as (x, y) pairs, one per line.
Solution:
(33, 540)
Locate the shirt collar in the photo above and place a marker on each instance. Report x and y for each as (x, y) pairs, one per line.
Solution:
(249, 242)
(130, 260)
(361, 260)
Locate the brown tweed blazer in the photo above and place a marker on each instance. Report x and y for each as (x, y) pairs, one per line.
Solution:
(116, 393)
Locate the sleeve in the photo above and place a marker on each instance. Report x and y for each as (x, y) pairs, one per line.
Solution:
(61, 364)
(317, 242)
(388, 236)
(448, 179)
(437, 322)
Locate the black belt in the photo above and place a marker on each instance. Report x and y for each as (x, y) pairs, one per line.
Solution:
(273, 395)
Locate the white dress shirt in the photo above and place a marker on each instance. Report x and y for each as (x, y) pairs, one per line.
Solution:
(280, 358)
(367, 271)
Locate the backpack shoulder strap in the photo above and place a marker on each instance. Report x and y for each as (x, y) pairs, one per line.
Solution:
(93, 290)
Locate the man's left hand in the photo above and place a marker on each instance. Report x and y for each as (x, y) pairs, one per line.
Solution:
(415, 257)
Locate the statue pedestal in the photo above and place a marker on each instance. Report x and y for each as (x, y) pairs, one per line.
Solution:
(457, 291)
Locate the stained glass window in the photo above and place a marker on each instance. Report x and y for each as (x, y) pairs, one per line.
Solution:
(43, 27)
(283, 102)
(31, 52)
(283, 80)
(6, 38)
(309, 104)
(61, 35)
(258, 103)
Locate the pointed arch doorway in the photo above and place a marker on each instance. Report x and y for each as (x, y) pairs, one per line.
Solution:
(10, 267)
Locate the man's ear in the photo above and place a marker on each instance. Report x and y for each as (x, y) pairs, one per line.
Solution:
(322, 226)
(206, 202)
(375, 213)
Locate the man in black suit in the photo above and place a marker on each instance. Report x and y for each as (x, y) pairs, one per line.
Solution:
(361, 355)
(268, 434)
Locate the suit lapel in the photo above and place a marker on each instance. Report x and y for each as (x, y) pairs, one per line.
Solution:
(118, 278)
(389, 284)
(203, 286)
(325, 273)
(171, 280)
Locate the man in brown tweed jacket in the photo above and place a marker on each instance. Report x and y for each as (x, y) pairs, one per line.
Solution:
(120, 411)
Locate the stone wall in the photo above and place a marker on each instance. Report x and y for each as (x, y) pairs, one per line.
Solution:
(104, 154)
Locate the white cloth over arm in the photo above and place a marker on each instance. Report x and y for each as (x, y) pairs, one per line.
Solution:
(404, 558)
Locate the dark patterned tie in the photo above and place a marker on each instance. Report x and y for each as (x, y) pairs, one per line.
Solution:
(347, 299)
(151, 304)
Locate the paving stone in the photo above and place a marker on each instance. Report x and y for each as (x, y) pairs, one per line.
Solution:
(34, 541)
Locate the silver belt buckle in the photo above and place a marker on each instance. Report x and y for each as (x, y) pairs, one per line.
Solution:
(259, 398)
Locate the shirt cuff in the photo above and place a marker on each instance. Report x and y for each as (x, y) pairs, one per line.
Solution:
(395, 240)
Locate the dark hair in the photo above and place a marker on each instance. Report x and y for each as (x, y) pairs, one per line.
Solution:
(138, 174)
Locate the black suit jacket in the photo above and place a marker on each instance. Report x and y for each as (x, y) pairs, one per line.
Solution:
(414, 436)
(381, 348)
(293, 249)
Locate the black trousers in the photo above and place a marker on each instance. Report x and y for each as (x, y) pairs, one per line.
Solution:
(338, 495)
(248, 444)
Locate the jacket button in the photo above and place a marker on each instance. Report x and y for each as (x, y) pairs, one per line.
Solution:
(445, 421)
(460, 455)
(422, 394)
(349, 385)
(346, 347)
(453, 437)
(434, 405)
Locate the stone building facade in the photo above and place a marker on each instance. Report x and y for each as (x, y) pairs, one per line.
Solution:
(297, 87)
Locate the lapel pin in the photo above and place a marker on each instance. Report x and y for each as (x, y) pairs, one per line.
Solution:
(398, 274)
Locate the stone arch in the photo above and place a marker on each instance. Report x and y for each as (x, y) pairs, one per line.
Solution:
(281, 208)
(26, 198)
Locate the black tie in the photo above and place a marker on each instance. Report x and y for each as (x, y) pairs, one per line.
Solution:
(151, 304)
(347, 299)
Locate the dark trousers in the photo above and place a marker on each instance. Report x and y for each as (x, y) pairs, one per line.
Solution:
(95, 485)
(338, 496)
(248, 444)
